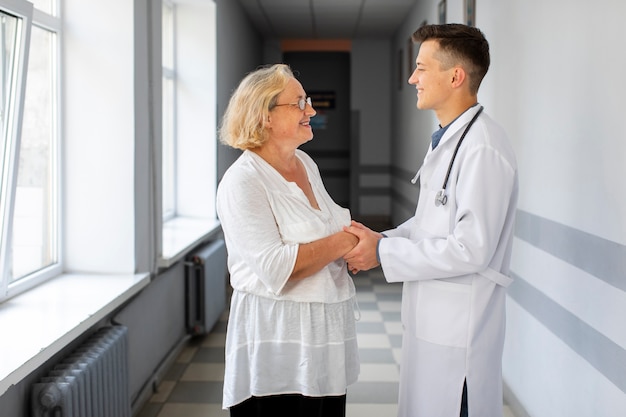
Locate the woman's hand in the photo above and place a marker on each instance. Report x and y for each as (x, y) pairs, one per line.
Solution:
(315, 255)
(363, 256)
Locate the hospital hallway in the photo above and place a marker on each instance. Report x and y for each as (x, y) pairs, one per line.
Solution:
(114, 270)
(193, 385)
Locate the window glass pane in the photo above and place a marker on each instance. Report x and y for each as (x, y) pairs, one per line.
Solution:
(8, 36)
(43, 5)
(168, 151)
(168, 36)
(34, 221)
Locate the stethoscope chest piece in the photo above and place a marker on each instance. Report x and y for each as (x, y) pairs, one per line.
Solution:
(441, 198)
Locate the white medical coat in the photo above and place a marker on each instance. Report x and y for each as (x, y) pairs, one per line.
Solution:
(454, 263)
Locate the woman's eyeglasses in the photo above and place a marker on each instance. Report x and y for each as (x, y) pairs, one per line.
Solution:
(301, 103)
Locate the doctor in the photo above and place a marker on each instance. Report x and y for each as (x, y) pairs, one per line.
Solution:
(453, 254)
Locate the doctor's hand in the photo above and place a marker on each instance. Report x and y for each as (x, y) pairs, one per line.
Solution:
(363, 256)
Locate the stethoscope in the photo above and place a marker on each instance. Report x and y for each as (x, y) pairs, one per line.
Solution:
(441, 198)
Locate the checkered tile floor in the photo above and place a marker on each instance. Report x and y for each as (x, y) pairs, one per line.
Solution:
(193, 386)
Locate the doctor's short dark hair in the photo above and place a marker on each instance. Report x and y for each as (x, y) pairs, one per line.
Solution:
(461, 45)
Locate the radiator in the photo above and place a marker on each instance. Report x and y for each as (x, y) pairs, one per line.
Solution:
(90, 382)
(205, 279)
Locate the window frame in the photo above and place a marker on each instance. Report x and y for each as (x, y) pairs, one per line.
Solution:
(47, 22)
(24, 11)
(195, 219)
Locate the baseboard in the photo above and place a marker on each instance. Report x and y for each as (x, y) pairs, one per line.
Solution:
(513, 403)
(150, 387)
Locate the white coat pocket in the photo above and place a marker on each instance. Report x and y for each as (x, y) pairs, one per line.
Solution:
(434, 219)
(442, 313)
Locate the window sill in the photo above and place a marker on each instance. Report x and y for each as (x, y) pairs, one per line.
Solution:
(182, 234)
(39, 323)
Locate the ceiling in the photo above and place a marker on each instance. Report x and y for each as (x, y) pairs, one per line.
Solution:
(327, 19)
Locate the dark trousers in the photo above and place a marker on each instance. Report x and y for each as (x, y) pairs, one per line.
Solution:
(291, 405)
(464, 401)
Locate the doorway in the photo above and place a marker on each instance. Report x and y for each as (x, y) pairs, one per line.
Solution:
(325, 77)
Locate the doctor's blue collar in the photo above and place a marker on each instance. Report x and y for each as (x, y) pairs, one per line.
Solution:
(441, 198)
(436, 136)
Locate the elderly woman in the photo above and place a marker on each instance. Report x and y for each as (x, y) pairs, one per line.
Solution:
(291, 339)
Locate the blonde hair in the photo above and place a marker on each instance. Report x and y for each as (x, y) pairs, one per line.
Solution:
(243, 121)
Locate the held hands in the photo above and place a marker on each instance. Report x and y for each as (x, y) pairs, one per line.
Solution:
(363, 256)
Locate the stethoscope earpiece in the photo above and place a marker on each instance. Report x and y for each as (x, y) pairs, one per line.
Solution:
(416, 177)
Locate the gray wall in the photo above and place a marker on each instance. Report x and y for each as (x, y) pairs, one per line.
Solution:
(239, 51)
(371, 101)
(156, 325)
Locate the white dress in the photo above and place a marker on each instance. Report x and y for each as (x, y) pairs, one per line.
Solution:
(283, 336)
(453, 261)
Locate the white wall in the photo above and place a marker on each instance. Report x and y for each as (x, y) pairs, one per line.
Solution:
(555, 84)
(554, 87)
(196, 124)
(100, 186)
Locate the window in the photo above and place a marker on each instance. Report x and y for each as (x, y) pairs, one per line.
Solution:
(29, 185)
(34, 244)
(188, 152)
(35, 218)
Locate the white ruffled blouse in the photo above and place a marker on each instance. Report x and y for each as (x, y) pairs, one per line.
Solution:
(283, 336)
